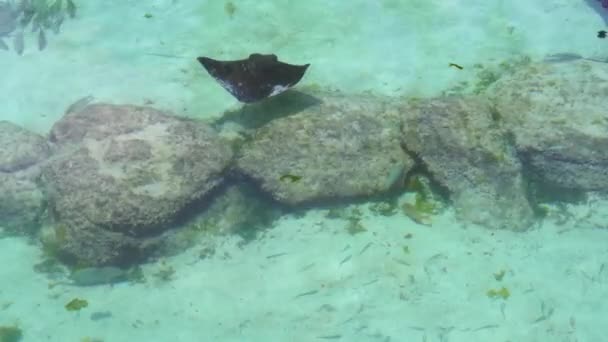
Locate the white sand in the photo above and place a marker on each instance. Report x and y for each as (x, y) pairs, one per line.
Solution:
(240, 294)
(437, 292)
(387, 46)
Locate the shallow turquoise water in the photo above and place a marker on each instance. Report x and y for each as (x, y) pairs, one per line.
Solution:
(299, 218)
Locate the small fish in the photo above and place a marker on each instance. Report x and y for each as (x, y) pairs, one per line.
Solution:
(18, 44)
(41, 40)
(365, 248)
(272, 256)
(290, 178)
(3, 45)
(346, 259)
(308, 293)
(454, 65)
(569, 57)
(562, 57)
(71, 8)
(329, 337)
(99, 315)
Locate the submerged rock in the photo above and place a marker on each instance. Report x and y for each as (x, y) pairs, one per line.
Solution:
(20, 148)
(123, 175)
(22, 202)
(338, 148)
(238, 209)
(468, 152)
(559, 118)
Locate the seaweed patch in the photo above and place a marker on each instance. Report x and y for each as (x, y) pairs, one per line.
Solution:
(76, 304)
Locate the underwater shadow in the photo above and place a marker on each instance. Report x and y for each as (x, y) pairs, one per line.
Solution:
(256, 115)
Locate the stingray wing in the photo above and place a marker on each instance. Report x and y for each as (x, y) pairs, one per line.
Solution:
(255, 78)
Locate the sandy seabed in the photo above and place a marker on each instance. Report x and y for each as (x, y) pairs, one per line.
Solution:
(306, 278)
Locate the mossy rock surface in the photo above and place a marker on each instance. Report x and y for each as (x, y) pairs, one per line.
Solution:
(341, 147)
(123, 175)
(22, 200)
(557, 115)
(10, 334)
(467, 151)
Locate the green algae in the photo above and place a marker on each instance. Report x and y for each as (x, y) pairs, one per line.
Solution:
(76, 304)
(10, 334)
(502, 293)
(422, 210)
(230, 8)
(425, 204)
(354, 226)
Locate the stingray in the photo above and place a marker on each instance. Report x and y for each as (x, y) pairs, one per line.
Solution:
(255, 78)
(599, 6)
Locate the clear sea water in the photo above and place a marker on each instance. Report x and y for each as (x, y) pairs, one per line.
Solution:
(229, 249)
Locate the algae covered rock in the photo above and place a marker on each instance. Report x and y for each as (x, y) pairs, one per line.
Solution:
(340, 147)
(10, 333)
(465, 149)
(123, 175)
(559, 118)
(20, 148)
(237, 209)
(22, 202)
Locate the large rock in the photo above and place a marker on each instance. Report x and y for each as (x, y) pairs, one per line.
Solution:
(123, 175)
(20, 148)
(467, 151)
(22, 203)
(338, 148)
(558, 114)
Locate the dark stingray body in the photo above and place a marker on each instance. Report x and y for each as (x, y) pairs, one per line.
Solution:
(255, 78)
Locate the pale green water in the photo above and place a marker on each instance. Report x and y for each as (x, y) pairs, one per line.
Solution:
(362, 205)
